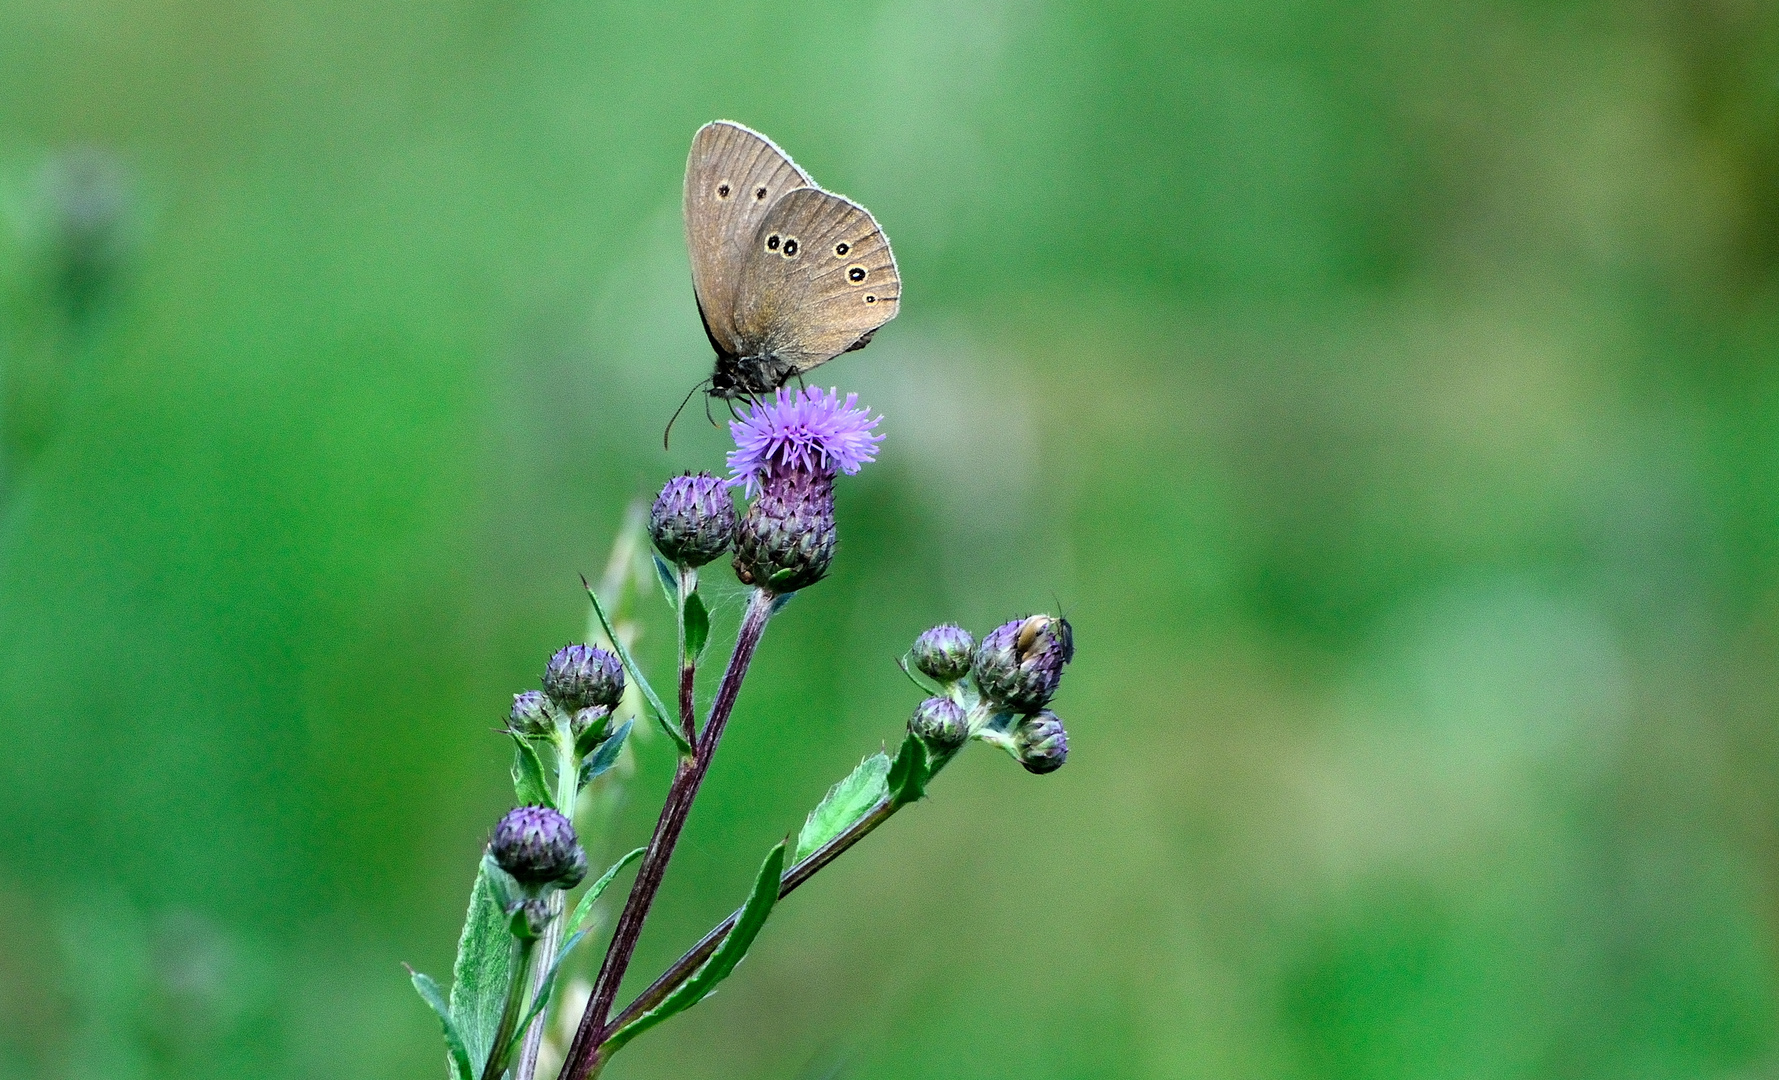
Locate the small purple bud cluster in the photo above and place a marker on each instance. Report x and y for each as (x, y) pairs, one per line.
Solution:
(788, 450)
(1017, 669)
(538, 847)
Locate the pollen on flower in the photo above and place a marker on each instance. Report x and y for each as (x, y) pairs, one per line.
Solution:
(809, 431)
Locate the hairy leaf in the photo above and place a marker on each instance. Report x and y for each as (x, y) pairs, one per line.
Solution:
(484, 962)
(722, 962)
(907, 779)
(845, 803)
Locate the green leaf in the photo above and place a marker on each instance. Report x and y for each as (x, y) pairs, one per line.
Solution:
(528, 776)
(697, 621)
(541, 1000)
(429, 992)
(669, 578)
(927, 686)
(607, 754)
(650, 698)
(722, 962)
(591, 896)
(845, 803)
(484, 962)
(907, 779)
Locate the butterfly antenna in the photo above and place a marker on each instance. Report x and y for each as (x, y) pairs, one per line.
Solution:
(666, 434)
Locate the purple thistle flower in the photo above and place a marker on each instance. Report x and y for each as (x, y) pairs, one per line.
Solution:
(807, 432)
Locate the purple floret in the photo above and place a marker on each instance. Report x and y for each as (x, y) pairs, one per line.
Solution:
(810, 431)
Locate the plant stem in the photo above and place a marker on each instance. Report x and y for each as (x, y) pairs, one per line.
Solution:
(517, 980)
(695, 957)
(568, 789)
(688, 665)
(583, 1052)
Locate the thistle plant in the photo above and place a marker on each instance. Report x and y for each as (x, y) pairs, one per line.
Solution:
(789, 451)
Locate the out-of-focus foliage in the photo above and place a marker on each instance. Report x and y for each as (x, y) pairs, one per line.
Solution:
(1387, 391)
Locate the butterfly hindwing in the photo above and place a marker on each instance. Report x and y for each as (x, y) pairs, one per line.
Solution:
(816, 280)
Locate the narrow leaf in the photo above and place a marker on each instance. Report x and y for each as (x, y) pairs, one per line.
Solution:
(591, 896)
(528, 776)
(907, 779)
(484, 959)
(927, 686)
(653, 700)
(429, 993)
(845, 803)
(541, 1000)
(607, 754)
(697, 620)
(669, 578)
(722, 962)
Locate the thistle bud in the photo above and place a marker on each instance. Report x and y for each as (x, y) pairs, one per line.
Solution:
(582, 676)
(1040, 743)
(940, 723)
(786, 539)
(530, 715)
(1019, 663)
(531, 919)
(693, 519)
(589, 719)
(538, 846)
(943, 653)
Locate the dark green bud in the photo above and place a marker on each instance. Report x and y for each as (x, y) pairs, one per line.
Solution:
(537, 846)
(1040, 743)
(583, 676)
(786, 539)
(693, 519)
(940, 723)
(530, 715)
(943, 653)
(1019, 663)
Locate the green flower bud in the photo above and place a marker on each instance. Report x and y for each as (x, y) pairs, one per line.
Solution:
(940, 723)
(1040, 743)
(588, 719)
(944, 653)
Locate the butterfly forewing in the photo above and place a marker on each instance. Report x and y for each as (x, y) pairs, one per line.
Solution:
(734, 176)
(817, 279)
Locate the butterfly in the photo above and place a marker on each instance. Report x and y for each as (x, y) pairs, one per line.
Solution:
(787, 275)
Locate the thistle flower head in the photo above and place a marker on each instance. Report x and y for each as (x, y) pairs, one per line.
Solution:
(692, 521)
(941, 723)
(811, 431)
(538, 846)
(944, 652)
(1040, 743)
(582, 676)
(530, 714)
(1019, 664)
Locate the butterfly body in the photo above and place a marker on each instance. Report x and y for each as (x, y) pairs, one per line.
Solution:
(787, 275)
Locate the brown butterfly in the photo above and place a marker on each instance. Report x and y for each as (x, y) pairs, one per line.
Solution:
(787, 276)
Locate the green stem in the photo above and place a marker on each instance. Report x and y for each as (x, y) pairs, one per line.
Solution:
(517, 981)
(568, 789)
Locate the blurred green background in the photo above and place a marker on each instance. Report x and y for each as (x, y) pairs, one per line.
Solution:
(1386, 390)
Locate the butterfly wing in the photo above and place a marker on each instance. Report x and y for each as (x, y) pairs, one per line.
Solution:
(817, 280)
(733, 178)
